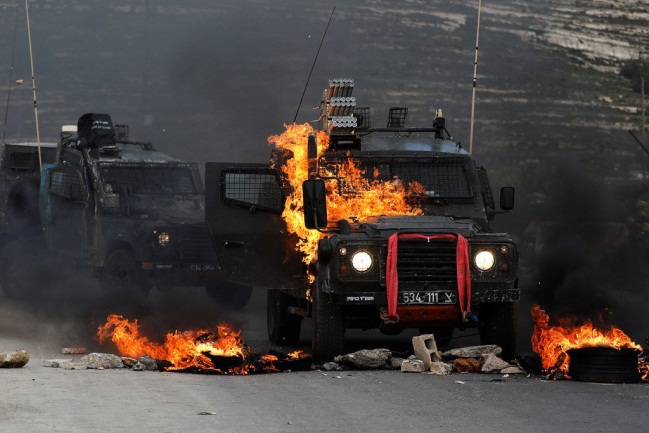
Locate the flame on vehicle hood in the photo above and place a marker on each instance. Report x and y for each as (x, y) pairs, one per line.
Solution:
(370, 197)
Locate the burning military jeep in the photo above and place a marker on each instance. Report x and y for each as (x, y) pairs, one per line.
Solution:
(362, 227)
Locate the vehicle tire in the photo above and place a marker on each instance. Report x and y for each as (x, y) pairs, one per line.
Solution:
(120, 272)
(21, 275)
(22, 208)
(443, 334)
(12, 285)
(328, 334)
(283, 327)
(498, 326)
(604, 365)
(228, 295)
(121, 283)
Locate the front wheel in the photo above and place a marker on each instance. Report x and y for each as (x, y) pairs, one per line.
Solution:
(498, 326)
(120, 272)
(121, 282)
(25, 267)
(229, 295)
(283, 327)
(328, 326)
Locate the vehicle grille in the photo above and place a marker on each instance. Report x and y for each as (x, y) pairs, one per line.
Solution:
(195, 244)
(422, 264)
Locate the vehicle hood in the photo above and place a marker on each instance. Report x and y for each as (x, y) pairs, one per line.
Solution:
(423, 224)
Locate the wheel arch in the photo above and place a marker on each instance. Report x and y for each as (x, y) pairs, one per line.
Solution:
(114, 245)
(22, 205)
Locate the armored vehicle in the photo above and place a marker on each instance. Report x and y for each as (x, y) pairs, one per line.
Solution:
(436, 265)
(131, 215)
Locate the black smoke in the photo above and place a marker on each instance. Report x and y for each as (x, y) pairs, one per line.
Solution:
(590, 250)
(209, 81)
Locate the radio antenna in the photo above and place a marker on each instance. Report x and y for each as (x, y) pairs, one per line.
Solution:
(313, 66)
(31, 60)
(475, 78)
(11, 74)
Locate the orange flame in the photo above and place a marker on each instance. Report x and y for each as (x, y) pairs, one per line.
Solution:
(369, 197)
(198, 349)
(298, 354)
(553, 342)
(183, 349)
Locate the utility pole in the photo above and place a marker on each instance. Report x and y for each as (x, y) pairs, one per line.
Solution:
(644, 127)
(475, 78)
(31, 61)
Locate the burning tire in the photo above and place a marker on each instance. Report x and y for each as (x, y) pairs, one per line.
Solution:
(229, 295)
(283, 327)
(328, 336)
(498, 326)
(604, 365)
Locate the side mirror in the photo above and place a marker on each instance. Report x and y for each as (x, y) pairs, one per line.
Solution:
(507, 198)
(315, 204)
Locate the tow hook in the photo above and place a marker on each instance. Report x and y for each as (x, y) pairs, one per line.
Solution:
(383, 313)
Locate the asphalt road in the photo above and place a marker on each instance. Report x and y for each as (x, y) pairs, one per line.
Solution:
(41, 399)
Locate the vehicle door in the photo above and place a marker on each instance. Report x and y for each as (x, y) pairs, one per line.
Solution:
(243, 206)
(66, 200)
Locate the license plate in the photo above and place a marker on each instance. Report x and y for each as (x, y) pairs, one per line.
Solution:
(202, 268)
(427, 298)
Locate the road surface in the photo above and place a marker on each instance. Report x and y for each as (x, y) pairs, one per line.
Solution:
(42, 399)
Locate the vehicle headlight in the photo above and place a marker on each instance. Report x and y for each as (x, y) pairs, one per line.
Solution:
(164, 238)
(361, 261)
(484, 260)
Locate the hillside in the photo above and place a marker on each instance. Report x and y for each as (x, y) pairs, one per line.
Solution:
(207, 81)
(222, 77)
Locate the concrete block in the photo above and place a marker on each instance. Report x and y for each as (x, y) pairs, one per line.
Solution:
(412, 366)
(55, 363)
(74, 350)
(491, 363)
(426, 349)
(75, 366)
(511, 370)
(441, 368)
(472, 352)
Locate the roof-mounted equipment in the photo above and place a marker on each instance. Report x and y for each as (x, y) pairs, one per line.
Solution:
(68, 133)
(439, 124)
(95, 131)
(363, 117)
(122, 132)
(338, 107)
(397, 117)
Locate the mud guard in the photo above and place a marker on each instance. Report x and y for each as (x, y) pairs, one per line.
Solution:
(243, 206)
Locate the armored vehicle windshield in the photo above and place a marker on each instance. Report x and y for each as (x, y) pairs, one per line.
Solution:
(425, 176)
(150, 178)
